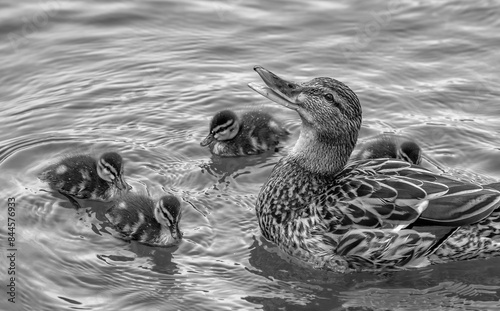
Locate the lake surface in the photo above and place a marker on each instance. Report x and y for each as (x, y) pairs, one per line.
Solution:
(144, 78)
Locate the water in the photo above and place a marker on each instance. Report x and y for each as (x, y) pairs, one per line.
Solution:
(144, 78)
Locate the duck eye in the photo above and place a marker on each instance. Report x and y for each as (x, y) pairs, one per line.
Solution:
(329, 97)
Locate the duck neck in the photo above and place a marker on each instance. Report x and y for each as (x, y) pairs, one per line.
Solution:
(323, 153)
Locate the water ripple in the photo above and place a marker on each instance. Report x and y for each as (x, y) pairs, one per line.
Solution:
(144, 78)
(444, 296)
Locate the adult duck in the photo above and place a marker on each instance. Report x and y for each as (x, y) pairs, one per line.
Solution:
(375, 214)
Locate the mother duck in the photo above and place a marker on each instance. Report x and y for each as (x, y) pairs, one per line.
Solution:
(368, 215)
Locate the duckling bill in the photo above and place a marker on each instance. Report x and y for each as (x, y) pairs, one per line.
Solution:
(368, 215)
(84, 177)
(138, 217)
(251, 133)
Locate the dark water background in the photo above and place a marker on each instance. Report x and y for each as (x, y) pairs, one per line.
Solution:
(144, 78)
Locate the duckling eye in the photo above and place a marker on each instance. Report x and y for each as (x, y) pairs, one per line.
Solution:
(329, 97)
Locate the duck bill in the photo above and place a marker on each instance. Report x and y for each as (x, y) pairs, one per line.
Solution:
(209, 139)
(278, 90)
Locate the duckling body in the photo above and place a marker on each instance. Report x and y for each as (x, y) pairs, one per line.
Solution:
(138, 217)
(389, 146)
(84, 177)
(252, 132)
(375, 214)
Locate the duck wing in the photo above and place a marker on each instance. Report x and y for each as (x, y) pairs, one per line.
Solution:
(386, 193)
(382, 248)
(391, 214)
(464, 203)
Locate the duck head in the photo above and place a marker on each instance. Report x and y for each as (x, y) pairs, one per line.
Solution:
(331, 118)
(225, 125)
(411, 152)
(110, 168)
(168, 214)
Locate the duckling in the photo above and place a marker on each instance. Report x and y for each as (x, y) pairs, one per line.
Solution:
(368, 215)
(389, 146)
(253, 133)
(138, 217)
(84, 177)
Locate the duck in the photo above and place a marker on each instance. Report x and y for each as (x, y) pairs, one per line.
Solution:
(253, 132)
(368, 215)
(389, 146)
(139, 217)
(85, 177)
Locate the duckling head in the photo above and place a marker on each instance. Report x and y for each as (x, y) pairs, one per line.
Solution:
(168, 214)
(225, 125)
(110, 168)
(331, 118)
(411, 152)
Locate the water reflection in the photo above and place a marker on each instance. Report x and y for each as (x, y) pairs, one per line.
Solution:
(291, 284)
(444, 296)
(158, 259)
(224, 167)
